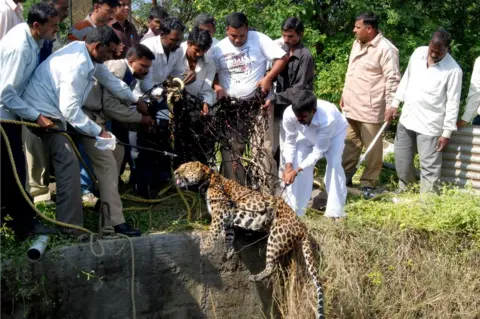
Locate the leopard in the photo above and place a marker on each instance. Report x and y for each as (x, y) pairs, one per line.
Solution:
(231, 205)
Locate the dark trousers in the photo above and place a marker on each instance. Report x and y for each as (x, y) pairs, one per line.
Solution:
(476, 120)
(120, 130)
(152, 169)
(11, 199)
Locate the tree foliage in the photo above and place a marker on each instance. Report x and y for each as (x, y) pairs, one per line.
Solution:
(329, 24)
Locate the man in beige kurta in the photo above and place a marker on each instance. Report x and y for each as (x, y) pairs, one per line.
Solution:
(372, 78)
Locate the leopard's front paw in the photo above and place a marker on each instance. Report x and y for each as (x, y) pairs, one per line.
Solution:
(253, 278)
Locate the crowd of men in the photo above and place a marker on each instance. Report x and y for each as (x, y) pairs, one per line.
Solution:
(93, 84)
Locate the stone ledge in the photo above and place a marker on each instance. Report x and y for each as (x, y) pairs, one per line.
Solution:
(172, 280)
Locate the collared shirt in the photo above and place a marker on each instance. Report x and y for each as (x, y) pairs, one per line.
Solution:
(297, 76)
(372, 78)
(61, 84)
(205, 73)
(240, 68)
(161, 67)
(148, 35)
(127, 34)
(11, 14)
(101, 105)
(18, 59)
(431, 95)
(473, 99)
(327, 123)
(49, 47)
(80, 29)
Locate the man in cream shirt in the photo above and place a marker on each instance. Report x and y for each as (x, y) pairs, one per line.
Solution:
(430, 90)
(372, 78)
(11, 14)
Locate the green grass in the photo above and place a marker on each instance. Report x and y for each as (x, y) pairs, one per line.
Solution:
(416, 258)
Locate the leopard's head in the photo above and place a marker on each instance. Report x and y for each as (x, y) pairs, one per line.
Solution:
(191, 174)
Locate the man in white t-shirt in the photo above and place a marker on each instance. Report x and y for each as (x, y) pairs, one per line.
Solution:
(241, 60)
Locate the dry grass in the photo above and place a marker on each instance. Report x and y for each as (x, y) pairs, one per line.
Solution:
(386, 272)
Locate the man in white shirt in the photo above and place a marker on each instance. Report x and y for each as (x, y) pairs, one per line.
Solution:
(430, 90)
(155, 17)
(152, 169)
(473, 99)
(196, 60)
(194, 142)
(168, 59)
(314, 129)
(58, 90)
(18, 59)
(241, 61)
(11, 14)
(205, 21)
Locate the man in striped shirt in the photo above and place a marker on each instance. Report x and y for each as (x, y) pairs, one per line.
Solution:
(102, 13)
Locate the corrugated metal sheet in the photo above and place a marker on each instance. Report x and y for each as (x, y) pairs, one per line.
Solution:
(461, 159)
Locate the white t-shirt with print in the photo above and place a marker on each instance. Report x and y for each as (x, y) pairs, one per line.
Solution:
(240, 68)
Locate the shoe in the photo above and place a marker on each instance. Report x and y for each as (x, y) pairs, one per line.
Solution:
(127, 230)
(368, 192)
(349, 182)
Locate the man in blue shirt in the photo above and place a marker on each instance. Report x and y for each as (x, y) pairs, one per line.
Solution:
(18, 59)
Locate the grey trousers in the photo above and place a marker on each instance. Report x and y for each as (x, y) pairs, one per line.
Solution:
(106, 166)
(69, 207)
(38, 165)
(407, 143)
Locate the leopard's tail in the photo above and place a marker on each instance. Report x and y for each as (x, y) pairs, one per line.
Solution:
(311, 263)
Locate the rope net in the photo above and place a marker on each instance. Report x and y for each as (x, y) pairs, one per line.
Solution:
(233, 126)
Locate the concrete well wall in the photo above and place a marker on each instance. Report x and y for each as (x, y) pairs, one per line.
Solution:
(172, 280)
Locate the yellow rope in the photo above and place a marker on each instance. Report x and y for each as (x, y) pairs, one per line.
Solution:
(172, 144)
(24, 193)
(107, 231)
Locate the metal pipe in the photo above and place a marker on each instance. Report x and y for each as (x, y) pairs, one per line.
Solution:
(362, 158)
(35, 252)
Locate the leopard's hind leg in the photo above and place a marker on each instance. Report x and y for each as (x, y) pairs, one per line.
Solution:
(280, 242)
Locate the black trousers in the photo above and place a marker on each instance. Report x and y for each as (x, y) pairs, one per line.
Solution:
(11, 199)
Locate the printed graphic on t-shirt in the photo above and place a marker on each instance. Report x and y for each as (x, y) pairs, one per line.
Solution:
(239, 65)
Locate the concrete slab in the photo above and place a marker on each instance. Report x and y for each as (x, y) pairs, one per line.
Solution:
(172, 280)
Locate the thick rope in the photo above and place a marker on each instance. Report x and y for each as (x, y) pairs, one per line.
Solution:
(104, 232)
(24, 193)
(175, 93)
